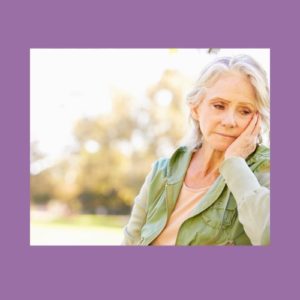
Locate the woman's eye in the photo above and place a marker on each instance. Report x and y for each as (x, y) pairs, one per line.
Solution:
(218, 106)
(246, 112)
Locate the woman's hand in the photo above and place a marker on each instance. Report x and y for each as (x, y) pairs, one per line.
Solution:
(245, 144)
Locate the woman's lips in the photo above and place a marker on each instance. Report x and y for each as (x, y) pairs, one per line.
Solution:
(226, 135)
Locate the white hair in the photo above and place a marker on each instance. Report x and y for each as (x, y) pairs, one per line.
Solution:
(244, 64)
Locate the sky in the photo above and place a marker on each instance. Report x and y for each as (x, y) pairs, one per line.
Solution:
(68, 84)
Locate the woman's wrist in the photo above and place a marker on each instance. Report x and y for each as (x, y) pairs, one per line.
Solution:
(230, 155)
(238, 176)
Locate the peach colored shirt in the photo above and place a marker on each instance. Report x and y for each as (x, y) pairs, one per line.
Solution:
(187, 200)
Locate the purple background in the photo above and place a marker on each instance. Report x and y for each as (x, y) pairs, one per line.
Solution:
(136, 272)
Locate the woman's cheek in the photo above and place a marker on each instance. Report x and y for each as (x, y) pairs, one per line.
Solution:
(245, 123)
(205, 124)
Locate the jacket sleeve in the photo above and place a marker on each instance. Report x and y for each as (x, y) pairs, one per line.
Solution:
(132, 231)
(252, 195)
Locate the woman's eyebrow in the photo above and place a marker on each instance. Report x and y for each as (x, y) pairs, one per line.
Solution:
(228, 101)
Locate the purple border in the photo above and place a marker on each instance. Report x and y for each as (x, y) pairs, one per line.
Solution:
(142, 273)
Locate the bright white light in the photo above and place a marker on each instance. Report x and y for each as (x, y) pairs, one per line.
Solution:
(91, 146)
(137, 140)
(124, 146)
(163, 97)
(41, 165)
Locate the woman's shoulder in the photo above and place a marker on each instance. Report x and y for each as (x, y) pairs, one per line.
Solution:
(259, 160)
(165, 164)
(261, 153)
(173, 165)
(175, 155)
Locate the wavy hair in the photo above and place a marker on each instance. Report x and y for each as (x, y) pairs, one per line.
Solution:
(244, 64)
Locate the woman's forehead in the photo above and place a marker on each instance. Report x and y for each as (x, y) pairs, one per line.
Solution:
(232, 87)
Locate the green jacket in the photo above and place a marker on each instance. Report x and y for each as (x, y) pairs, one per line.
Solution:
(234, 211)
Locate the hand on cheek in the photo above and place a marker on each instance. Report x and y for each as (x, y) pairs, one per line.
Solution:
(245, 144)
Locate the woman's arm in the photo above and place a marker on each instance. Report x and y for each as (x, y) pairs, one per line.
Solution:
(252, 197)
(132, 231)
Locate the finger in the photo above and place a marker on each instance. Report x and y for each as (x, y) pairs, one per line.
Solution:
(257, 127)
(249, 129)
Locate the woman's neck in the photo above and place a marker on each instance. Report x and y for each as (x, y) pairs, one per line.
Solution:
(208, 160)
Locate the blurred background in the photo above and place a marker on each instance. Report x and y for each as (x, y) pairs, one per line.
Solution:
(98, 120)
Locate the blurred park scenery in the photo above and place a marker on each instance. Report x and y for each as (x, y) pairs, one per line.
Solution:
(98, 119)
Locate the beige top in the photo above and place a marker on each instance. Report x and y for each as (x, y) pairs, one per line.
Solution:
(187, 200)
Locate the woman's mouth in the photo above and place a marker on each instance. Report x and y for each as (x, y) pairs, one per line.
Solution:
(226, 135)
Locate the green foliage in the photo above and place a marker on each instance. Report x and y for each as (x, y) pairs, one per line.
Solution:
(115, 151)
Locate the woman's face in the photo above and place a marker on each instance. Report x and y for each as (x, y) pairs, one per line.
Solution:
(226, 109)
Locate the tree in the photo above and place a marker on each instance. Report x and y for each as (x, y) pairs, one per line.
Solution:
(115, 151)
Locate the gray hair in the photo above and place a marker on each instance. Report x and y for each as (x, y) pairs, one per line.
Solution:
(244, 64)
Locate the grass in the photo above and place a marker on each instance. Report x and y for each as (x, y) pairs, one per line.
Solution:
(77, 230)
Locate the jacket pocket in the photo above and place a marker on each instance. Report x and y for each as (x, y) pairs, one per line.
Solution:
(221, 214)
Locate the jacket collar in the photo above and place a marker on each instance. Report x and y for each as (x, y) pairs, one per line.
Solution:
(178, 164)
(180, 160)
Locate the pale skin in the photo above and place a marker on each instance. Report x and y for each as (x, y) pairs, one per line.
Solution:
(230, 124)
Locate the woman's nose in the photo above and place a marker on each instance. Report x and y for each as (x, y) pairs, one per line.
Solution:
(229, 120)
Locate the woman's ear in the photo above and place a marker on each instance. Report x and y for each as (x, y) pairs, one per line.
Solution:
(194, 110)
(195, 107)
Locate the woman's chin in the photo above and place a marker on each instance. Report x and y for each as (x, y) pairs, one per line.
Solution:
(220, 146)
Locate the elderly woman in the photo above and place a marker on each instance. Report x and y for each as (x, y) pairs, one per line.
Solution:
(214, 190)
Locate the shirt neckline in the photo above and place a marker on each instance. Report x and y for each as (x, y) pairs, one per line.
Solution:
(196, 190)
